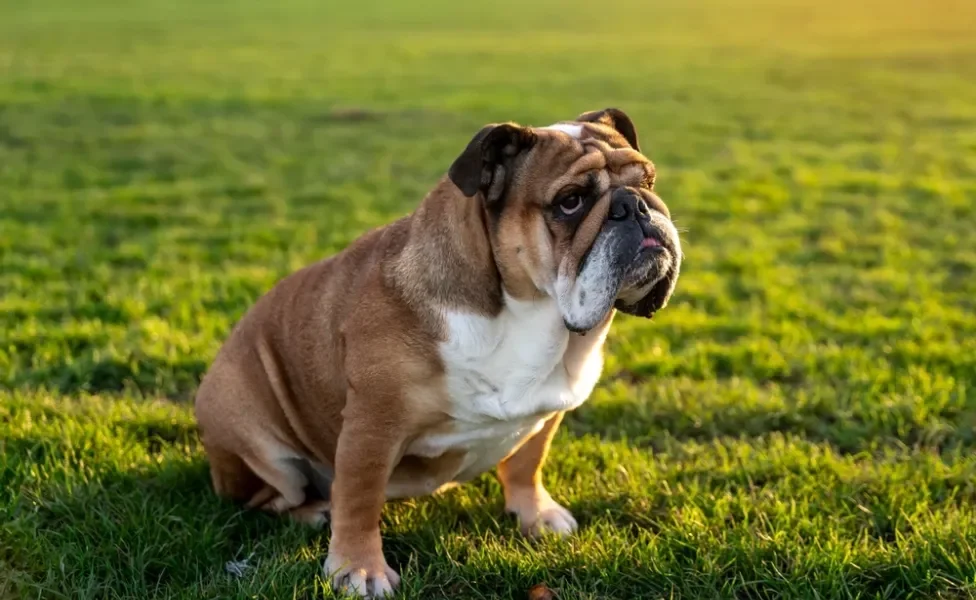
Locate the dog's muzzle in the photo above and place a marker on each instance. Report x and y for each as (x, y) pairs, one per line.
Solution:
(632, 264)
(647, 241)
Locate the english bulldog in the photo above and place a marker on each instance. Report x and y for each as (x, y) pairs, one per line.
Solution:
(444, 344)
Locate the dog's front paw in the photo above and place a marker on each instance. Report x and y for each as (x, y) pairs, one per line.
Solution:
(554, 519)
(539, 514)
(371, 578)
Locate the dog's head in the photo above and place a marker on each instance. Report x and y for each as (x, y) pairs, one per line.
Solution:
(572, 214)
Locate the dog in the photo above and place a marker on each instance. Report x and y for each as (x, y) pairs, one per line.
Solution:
(444, 344)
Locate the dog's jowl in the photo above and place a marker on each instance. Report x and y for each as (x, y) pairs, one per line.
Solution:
(444, 344)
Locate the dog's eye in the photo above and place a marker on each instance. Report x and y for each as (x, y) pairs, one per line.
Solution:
(571, 204)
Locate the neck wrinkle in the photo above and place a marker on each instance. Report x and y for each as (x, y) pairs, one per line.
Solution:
(448, 257)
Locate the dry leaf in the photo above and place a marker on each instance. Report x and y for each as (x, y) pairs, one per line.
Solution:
(540, 591)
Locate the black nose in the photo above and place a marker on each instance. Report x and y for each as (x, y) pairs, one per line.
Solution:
(626, 204)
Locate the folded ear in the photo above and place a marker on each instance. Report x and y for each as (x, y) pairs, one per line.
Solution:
(655, 299)
(616, 119)
(486, 164)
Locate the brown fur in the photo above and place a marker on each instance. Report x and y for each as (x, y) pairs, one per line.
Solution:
(337, 366)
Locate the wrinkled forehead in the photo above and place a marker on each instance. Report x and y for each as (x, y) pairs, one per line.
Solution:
(590, 131)
(587, 153)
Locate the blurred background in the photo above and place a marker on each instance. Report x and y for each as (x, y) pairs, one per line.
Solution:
(799, 421)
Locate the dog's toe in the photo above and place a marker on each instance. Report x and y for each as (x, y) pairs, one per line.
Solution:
(539, 514)
(363, 582)
(558, 520)
(553, 519)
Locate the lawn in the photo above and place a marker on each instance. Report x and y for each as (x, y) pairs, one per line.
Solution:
(799, 423)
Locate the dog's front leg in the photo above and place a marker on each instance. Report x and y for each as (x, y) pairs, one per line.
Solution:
(521, 477)
(367, 447)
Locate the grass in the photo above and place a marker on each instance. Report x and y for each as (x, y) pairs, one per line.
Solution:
(799, 423)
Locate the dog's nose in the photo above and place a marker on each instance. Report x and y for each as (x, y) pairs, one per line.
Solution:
(626, 204)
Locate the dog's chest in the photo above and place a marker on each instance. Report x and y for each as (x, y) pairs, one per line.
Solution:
(504, 376)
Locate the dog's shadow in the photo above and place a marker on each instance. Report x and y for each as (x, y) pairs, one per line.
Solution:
(90, 519)
(158, 530)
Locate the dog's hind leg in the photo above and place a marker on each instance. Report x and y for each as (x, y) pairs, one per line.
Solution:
(231, 476)
(286, 482)
(314, 513)
(316, 503)
(256, 483)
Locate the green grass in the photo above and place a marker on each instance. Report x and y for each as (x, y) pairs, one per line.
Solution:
(800, 422)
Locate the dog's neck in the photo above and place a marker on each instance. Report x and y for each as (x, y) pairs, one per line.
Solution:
(448, 257)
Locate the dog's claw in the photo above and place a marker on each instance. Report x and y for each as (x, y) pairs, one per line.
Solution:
(363, 582)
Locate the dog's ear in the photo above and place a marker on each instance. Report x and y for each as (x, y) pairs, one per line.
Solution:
(486, 164)
(655, 299)
(616, 119)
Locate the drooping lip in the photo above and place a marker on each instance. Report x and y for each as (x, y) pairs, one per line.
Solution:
(652, 256)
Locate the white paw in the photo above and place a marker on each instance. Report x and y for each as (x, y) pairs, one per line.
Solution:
(544, 516)
(374, 581)
(554, 519)
(314, 520)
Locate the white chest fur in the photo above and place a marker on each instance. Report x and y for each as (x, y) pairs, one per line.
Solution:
(505, 375)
